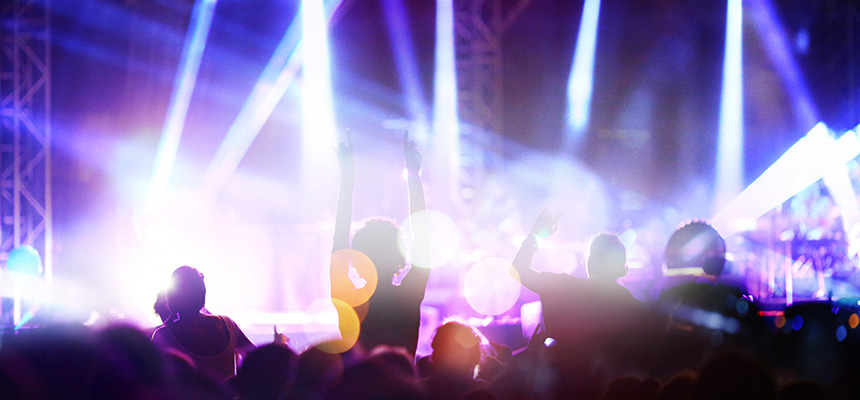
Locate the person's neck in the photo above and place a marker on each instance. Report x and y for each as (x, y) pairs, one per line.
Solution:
(188, 316)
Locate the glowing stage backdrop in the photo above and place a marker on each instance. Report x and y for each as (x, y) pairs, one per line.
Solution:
(198, 133)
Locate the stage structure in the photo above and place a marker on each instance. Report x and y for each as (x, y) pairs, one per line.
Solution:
(25, 129)
(479, 26)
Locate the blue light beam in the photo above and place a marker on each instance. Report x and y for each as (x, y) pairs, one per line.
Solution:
(183, 88)
(579, 86)
(270, 88)
(404, 58)
(445, 119)
(730, 143)
(766, 20)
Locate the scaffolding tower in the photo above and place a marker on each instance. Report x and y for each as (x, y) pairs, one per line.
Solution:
(25, 129)
(479, 26)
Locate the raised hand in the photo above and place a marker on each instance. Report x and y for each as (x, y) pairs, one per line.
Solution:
(346, 156)
(411, 153)
(546, 224)
(280, 338)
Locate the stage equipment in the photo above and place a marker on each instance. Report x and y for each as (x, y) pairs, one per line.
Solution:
(25, 129)
(479, 26)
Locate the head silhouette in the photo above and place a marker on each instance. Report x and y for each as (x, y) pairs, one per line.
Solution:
(265, 372)
(607, 258)
(696, 244)
(380, 240)
(456, 348)
(187, 292)
(160, 306)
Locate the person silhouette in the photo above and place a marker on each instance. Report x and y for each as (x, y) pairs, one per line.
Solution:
(586, 318)
(392, 314)
(213, 342)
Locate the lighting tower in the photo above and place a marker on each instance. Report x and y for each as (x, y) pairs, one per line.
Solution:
(478, 29)
(25, 128)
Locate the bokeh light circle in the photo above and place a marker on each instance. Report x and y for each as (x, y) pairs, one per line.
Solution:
(489, 287)
(348, 326)
(853, 321)
(444, 238)
(742, 307)
(797, 323)
(353, 276)
(841, 333)
(322, 323)
(24, 260)
(779, 321)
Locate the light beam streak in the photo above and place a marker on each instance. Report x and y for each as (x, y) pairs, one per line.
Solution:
(445, 119)
(579, 87)
(815, 155)
(318, 126)
(270, 88)
(730, 143)
(404, 58)
(777, 46)
(186, 78)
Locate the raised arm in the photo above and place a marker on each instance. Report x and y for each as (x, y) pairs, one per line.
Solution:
(343, 215)
(413, 159)
(417, 276)
(544, 225)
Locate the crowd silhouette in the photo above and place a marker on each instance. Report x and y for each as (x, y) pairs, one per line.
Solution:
(698, 339)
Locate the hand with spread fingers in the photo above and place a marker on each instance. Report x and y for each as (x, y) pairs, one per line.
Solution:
(545, 224)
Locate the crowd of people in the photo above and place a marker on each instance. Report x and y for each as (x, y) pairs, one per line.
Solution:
(699, 340)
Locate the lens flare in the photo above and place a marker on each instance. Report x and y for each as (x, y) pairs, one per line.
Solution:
(779, 321)
(490, 288)
(797, 323)
(353, 276)
(841, 333)
(349, 328)
(444, 238)
(853, 321)
(323, 322)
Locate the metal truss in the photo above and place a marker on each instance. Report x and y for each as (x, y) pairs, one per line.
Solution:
(25, 129)
(478, 29)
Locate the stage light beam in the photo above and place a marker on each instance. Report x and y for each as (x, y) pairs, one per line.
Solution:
(404, 58)
(276, 78)
(730, 142)
(811, 158)
(766, 21)
(183, 88)
(318, 125)
(445, 120)
(579, 86)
